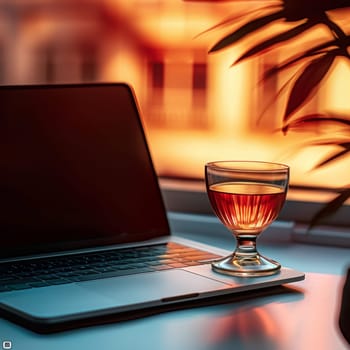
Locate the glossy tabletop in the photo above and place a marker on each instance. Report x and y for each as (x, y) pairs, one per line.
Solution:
(301, 316)
(298, 316)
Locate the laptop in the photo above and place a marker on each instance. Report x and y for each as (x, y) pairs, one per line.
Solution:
(84, 232)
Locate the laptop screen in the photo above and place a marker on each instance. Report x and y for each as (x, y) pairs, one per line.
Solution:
(75, 170)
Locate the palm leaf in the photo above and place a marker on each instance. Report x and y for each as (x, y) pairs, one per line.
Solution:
(278, 68)
(246, 29)
(307, 82)
(331, 207)
(275, 97)
(313, 120)
(260, 48)
(317, 50)
(235, 18)
(345, 149)
(334, 28)
(335, 156)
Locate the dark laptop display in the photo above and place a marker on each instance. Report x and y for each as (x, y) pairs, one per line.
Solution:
(74, 176)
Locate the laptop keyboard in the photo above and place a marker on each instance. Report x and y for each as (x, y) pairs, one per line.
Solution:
(91, 266)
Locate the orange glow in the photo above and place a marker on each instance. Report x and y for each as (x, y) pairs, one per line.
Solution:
(196, 107)
(184, 152)
(251, 325)
(338, 93)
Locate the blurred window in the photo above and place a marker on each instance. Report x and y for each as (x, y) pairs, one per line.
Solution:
(196, 107)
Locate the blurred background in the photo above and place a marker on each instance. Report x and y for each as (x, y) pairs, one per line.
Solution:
(195, 107)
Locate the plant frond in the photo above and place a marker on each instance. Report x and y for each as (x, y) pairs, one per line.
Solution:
(314, 120)
(276, 96)
(235, 18)
(315, 51)
(344, 151)
(334, 157)
(246, 29)
(267, 44)
(331, 207)
(308, 82)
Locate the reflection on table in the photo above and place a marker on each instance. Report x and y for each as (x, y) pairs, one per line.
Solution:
(301, 316)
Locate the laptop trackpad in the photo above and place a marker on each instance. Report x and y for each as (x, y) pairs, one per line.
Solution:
(163, 285)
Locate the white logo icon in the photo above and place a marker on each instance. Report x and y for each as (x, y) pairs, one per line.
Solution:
(7, 345)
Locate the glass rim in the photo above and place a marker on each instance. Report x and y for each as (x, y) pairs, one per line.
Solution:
(234, 165)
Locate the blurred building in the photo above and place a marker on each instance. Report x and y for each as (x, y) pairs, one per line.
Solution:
(195, 106)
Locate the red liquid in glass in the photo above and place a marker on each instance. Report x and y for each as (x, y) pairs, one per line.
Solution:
(246, 207)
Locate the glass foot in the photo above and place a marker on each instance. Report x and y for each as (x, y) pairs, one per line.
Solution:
(246, 266)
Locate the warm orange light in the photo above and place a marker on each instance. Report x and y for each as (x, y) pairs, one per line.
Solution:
(337, 92)
(186, 127)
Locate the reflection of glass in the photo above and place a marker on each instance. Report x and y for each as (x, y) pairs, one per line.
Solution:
(246, 196)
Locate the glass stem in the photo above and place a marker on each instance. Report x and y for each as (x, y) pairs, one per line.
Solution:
(246, 245)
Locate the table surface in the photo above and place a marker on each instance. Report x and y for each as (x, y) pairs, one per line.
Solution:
(301, 316)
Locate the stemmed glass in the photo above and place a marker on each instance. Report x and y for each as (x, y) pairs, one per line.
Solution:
(247, 197)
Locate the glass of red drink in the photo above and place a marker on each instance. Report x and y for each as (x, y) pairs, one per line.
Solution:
(247, 197)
